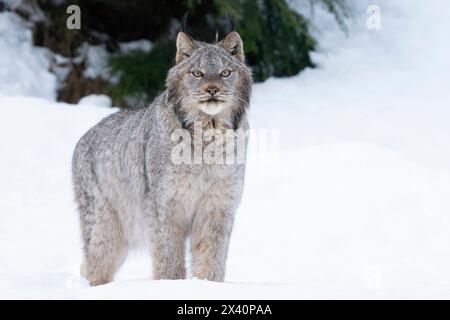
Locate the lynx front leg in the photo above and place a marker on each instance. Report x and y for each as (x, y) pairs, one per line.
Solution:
(209, 243)
(168, 248)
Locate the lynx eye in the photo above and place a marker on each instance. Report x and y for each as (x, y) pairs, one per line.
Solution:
(225, 73)
(197, 73)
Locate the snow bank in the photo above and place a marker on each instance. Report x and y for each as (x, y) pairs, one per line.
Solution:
(358, 207)
(137, 45)
(96, 61)
(99, 100)
(23, 67)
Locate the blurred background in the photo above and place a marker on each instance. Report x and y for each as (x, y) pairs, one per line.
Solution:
(123, 49)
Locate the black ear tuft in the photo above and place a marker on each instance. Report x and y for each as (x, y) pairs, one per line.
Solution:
(232, 24)
(184, 22)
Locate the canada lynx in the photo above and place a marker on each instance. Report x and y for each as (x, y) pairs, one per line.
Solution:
(128, 189)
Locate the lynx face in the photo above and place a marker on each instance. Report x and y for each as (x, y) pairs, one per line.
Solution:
(209, 80)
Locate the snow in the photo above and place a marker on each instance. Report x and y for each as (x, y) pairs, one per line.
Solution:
(96, 57)
(100, 100)
(137, 45)
(23, 67)
(357, 207)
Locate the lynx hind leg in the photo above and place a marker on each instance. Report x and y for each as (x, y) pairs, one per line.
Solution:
(104, 243)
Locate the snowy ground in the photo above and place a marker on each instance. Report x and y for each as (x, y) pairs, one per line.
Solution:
(358, 207)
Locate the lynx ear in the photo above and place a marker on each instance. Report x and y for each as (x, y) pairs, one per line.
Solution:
(185, 46)
(234, 45)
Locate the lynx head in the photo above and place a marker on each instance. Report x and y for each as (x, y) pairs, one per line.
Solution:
(209, 80)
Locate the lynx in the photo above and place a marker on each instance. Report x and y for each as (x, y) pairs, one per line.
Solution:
(128, 190)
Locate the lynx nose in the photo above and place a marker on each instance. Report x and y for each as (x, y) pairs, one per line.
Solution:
(212, 90)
